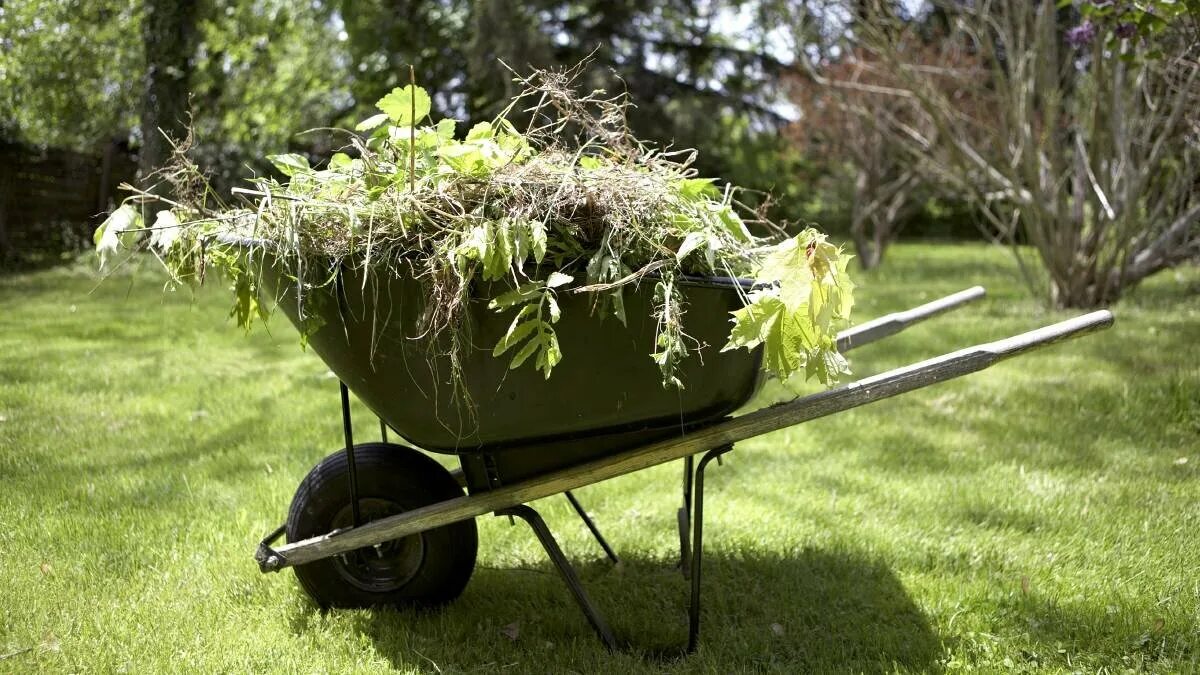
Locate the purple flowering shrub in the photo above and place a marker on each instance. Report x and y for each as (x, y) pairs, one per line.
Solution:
(1082, 35)
(1117, 20)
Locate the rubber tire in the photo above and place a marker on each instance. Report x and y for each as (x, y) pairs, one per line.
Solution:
(409, 480)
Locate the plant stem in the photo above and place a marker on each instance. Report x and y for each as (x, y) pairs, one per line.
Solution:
(412, 130)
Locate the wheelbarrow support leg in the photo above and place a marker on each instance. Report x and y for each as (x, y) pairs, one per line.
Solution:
(591, 526)
(684, 518)
(565, 570)
(698, 546)
(352, 471)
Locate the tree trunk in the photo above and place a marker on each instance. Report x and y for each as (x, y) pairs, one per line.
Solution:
(6, 249)
(860, 218)
(168, 31)
(9, 155)
(502, 31)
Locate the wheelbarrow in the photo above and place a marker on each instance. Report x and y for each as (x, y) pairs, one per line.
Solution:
(383, 523)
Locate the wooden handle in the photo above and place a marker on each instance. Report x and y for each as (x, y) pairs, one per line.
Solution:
(1063, 330)
(890, 324)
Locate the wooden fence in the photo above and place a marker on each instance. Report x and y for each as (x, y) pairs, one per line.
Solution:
(51, 199)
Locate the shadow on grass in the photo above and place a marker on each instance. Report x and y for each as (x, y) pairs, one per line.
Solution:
(804, 612)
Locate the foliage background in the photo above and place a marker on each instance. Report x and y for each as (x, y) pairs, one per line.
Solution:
(705, 75)
(726, 76)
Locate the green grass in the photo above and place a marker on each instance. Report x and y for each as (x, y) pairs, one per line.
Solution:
(1039, 515)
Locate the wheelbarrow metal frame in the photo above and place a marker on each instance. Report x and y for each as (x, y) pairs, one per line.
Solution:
(773, 418)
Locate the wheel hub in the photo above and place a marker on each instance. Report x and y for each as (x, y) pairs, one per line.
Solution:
(384, 567)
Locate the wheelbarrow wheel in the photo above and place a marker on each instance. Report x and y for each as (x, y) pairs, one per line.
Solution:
(421, 570)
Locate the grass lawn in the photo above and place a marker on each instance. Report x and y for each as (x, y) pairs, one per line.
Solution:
(1039, 515)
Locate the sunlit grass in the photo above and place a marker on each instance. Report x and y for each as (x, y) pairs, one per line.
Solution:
(1039, 515)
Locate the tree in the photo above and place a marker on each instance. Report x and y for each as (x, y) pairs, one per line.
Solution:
(384, 37)
(691, 78)
(264, 72)
(1077, 145)
(850, 100)
(168, 37)
(76, 74)
(682, 71)
(69, 71)
(841, 122)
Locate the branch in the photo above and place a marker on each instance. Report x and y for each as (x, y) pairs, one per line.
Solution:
(1171, 247)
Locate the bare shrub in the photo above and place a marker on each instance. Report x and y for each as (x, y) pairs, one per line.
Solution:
(1082, 148)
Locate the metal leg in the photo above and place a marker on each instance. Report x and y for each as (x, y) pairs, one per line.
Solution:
(565, 570)
(587, 520)
(352, 474)
(684, 518)
(698, 543)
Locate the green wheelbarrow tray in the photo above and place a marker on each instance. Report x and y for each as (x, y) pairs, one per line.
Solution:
(383, 524)
(605, 395)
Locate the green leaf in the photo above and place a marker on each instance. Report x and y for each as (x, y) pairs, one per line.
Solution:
(697, 188)
(462, 157)
(406, 106)
(826, 366)
(474, 245)
(428, 138)
(512, 147)
(617, 298)
(691, 242)
(289, 164)
(788, 267)
(507, 128)
(600, 265)
(557, 279)
(550, 354)
(537, 232)
(108, 238)
(245, 306)
(523, 293)
(516, 333)
(783, 351)
(733, 224)
(524, 354)
(710, 252)
(445, 129)
(754, 322)
(165, 232)
(498, 258)
(480, 131)
(519, 231)
(795, 320)
(371, 122)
